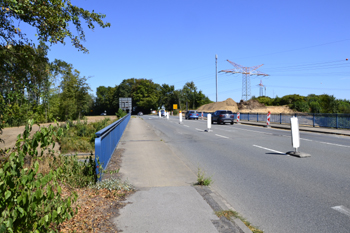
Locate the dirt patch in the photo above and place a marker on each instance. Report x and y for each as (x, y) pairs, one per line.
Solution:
(250, 106)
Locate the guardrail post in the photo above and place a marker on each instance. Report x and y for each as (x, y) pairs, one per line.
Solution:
(337, 119)
(313, 120)
(280, 118)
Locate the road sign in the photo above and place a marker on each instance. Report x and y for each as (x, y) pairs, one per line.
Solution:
(174, 106)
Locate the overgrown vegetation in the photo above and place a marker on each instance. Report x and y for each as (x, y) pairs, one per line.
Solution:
(80, 136)
(311, 103)
(39, 186)
(202, 179)
(233, 214)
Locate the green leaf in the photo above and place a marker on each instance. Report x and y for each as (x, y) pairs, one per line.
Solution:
(7, 194)
(46, 218)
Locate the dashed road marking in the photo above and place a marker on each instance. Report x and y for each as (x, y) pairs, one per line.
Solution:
(333, 144)
(279, 152)
(342, 210)
(306, 139)
(186, 125)
(199, 129)
(221, 136)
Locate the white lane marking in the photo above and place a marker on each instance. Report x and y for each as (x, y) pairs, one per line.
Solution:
(333, 144)
(306, 139)
(342, 210)
(220, 136)
(199, 129)
(186, 125)
(270, 149)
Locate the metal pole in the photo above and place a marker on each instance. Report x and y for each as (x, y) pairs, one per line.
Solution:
(216, 73)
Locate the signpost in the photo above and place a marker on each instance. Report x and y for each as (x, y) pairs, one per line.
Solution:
(125, 104)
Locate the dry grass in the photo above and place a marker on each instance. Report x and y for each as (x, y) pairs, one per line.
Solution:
(228, 214)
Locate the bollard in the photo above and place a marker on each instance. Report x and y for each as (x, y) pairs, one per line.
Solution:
(167, 115)
(238, 117)
(268, 120)
(159, 114)
(202, 115)
(180, 117)
(208, 122)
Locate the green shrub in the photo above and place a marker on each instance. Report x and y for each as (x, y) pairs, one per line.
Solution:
(32, 201)
(120, 113)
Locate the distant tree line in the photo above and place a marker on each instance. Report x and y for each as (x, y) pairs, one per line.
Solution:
(147, 95)
(311, 103)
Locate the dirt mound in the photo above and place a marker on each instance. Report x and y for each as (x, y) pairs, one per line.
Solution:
(228, 104)
(250, 106)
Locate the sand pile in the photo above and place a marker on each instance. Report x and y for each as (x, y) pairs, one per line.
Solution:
(250, 106)
(228, 104)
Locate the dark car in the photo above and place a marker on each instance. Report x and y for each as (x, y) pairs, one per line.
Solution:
(191, 114)
(162, 112)
(140, 113)
(222, 117)
(103, 114)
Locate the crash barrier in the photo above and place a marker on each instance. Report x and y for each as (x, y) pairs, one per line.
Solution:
(329, 120)
(107, 140)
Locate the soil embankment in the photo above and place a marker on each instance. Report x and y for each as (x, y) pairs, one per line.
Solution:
(250, 106)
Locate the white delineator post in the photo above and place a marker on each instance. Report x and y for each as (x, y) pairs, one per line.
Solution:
(268, 120)
(294, 127)
(180, 117)
(202, 115)
(167, 115)
(208, 122)
(159, 113)
(238, 117)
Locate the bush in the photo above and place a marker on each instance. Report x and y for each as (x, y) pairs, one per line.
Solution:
(120, 113)
(32, 201)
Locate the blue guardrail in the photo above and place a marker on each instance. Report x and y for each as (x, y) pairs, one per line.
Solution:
(328, 120)
(107, 140)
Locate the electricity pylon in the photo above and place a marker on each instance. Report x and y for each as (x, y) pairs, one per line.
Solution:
(261, 89)
(246, 73)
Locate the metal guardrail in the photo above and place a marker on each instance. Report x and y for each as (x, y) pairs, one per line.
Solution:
(328, 120)
(107, 140)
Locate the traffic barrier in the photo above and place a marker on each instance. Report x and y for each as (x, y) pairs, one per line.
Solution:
(202, 115)
(107, 140)
(238, 117)
(268, 120)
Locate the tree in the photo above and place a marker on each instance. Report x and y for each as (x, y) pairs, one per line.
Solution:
(50, 18)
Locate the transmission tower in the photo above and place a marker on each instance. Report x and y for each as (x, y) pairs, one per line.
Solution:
(246, 73)
(261, 90)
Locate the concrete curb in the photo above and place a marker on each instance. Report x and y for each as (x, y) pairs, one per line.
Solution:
(216, 203)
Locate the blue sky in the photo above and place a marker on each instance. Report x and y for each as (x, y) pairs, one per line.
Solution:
(303, 45)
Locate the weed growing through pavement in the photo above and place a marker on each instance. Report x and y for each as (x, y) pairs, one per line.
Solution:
(202, 180)
(230, 213)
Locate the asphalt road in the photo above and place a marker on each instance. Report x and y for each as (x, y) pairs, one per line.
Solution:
(252, 173)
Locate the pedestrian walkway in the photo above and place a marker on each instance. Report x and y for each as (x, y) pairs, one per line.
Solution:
(165, 200)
